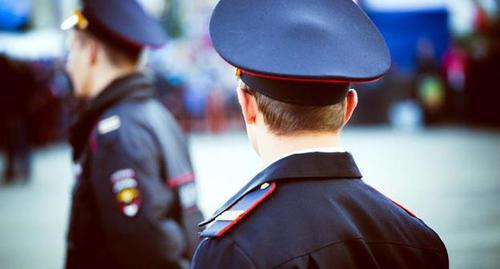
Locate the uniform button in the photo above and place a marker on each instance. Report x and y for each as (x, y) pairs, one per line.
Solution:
(264, 186)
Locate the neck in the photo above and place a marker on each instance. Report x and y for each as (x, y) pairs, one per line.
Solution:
(107, 75)
(271, 147)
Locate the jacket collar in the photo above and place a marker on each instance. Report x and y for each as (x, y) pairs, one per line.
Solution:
(306, 166)
(131, 86)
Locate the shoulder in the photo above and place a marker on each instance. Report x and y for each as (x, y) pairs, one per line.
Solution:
(147, 114)
(270, 224)
(287, 219)
(135, 112)
(297, 218)
(226, 239)
(125, 127)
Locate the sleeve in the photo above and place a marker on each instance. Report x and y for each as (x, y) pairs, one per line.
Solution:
(133, 201)
(220, 253)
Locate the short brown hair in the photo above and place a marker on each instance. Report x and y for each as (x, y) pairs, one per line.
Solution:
(284, 118)
(116, 55)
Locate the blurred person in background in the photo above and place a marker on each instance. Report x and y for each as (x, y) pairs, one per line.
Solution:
(429, 85)
(309, 207)
(134, 202)
(15, 100)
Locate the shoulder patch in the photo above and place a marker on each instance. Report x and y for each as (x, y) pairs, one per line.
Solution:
(109, 124)
(225, 221)
(126, 190)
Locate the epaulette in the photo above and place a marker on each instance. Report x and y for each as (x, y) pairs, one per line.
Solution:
(104, 126)
(229, 218)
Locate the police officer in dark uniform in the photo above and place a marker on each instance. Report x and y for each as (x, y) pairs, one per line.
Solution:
(134, 202)
(309, 208)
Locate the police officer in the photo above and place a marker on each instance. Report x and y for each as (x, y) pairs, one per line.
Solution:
(309, 208)
(134, 203)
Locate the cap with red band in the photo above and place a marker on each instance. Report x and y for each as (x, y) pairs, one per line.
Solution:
(299, 52)
(123, 23)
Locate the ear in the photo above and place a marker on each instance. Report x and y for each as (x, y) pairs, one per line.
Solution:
(351, 103)
(93, 52)
(248, 106)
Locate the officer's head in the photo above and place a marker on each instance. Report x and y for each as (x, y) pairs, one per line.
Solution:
(107, 41)
(263, 114)
(296, 61)
(91, 58)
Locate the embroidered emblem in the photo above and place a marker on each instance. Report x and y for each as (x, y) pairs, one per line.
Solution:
(126, 190)
(109, 124)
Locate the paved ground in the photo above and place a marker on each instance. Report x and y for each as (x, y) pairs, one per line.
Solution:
(448, 177)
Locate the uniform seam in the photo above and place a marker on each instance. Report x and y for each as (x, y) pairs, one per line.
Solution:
(240, 249)
(199, 248)
(436, 251)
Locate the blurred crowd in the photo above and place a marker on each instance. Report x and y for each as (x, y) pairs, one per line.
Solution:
(445, 61)
(444, 71)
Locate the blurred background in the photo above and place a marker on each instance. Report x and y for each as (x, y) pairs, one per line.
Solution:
(427, 135)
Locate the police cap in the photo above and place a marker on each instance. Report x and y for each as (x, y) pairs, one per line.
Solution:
(124, 23)
(299, 52)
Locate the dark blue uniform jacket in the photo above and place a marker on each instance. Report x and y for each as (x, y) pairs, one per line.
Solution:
(134, 202)
(312, 210)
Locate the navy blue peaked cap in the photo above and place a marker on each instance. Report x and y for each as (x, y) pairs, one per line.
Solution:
(304, 52)
(124, 23)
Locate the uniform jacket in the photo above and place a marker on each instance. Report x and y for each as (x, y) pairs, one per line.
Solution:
(134, 201)
(312, 210)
